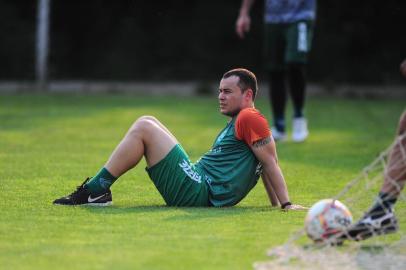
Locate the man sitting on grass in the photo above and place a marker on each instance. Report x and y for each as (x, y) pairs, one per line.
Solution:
(242, 152)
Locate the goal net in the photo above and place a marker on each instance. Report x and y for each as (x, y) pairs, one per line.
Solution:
(378, 252)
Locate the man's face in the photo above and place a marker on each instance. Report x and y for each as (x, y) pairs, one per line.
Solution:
(231, 98)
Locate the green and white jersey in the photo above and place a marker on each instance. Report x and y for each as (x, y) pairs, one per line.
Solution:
(230, 168)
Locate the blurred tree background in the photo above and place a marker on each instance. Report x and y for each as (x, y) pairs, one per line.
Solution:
(355, 41)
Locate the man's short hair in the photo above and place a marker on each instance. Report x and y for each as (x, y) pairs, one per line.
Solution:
(247, 79)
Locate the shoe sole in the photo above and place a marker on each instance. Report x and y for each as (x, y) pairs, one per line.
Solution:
(100, 204)
(88, 204)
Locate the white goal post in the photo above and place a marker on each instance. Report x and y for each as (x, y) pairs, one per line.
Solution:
(42, 44)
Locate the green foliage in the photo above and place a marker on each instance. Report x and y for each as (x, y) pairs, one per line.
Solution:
(50, 143)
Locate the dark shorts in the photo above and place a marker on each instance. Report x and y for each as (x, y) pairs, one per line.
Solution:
(178, 180)
(287, 43)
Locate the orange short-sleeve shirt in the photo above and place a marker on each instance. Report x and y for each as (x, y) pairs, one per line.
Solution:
(251, 126)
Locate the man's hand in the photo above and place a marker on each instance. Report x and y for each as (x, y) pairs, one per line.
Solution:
(295, 207)
(243, 25)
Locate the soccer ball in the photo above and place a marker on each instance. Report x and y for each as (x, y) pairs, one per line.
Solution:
(326, 218)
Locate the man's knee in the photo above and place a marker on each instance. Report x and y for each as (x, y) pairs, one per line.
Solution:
(144, 124)
(147, 118)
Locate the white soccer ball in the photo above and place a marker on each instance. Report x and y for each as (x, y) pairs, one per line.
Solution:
(327, 218)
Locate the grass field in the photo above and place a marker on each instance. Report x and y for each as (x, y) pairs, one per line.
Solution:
(50, 143)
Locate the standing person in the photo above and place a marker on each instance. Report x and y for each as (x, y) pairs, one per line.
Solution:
(288, 33)
(380, 218)
(242, 151)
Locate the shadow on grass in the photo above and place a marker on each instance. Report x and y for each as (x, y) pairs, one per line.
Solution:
(182, 213)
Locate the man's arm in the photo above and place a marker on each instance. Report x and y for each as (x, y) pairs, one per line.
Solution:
(244, 21)
(265, 151)
(268, 187)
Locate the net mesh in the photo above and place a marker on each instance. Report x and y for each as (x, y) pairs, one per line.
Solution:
(386, 251)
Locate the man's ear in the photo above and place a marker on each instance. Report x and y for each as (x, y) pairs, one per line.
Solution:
(249, 94)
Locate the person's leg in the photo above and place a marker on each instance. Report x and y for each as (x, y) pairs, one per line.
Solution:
(380, 219)
(274, 63)
(146, 137)
(297, 83)
(277, 94)
(395, 174)
(297, 86)
(298, 38)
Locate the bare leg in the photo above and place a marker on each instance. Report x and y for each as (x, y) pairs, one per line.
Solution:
(395, 174)
(146, 137)
(380, 218)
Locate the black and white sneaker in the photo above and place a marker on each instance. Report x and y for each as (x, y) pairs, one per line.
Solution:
(82, 196)
(369, 226)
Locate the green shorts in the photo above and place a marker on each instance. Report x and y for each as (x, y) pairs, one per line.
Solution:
(179, 181)
(287, 43)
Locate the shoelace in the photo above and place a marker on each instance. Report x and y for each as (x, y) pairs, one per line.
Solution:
(79, 188)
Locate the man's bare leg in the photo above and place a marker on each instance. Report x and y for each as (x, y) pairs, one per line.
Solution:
(380, 219)
(146, 137)
(395, 174)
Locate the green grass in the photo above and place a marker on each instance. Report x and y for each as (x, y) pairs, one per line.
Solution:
(50, 143)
